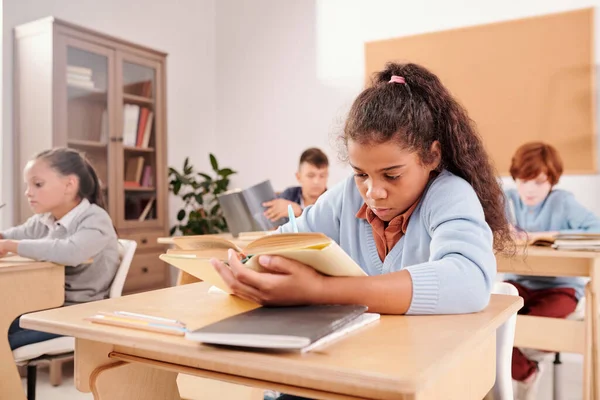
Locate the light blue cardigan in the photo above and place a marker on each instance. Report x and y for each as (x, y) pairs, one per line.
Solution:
(447, 249)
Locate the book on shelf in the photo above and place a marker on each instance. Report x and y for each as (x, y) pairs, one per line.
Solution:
(131, 114)
(141, 128)
(147, 209)
(143, 89)
(299, 328)
(147, 131)
(131, 184)
(134, 169)
(79, 77)
(147, 177)
(243, 209)
(77, 70)
(193, 253)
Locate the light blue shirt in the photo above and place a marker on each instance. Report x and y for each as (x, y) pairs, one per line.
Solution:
(447, 248)
(561, 212)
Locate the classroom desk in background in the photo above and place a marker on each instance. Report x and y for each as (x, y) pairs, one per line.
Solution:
(25, 286)
(399, 357)
(566, 335)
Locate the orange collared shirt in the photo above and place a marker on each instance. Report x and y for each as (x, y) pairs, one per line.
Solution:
(386, 237)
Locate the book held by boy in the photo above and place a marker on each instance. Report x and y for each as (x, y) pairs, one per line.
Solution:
(313, 249)
(243, 209)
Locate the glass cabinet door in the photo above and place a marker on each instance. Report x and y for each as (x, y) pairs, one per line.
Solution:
(88, 107)
(139, 152)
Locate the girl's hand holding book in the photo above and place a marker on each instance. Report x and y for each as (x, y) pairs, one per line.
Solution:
(283, 282)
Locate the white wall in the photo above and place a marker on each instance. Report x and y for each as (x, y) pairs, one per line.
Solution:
(287, 71)
(182, 28)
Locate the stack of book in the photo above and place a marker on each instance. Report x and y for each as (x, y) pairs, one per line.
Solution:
(571, 241)
(80, 77)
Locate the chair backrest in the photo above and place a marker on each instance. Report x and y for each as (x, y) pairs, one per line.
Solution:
(126, 252)
(505, 337)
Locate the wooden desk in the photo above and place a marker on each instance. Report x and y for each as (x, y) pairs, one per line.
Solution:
(399, 357)
(570, 336)
(25, 286)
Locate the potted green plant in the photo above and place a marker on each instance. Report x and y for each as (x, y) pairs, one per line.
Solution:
(201, 213)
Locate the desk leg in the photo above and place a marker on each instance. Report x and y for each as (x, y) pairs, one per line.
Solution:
(126, 381)
(595, 310)
(111, 379)
(588, 352)
(23, 291)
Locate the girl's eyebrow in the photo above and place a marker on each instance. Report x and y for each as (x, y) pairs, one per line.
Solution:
(382, 169)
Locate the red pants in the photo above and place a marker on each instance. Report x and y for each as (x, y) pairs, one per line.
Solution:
(553, 303)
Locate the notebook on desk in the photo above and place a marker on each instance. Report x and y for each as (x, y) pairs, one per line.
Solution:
(285, 328)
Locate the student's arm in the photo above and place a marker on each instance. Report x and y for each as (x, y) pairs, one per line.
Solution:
(31, 229)
(579, 218)
(93, 234)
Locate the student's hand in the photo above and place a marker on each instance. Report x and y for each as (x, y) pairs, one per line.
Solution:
(278, 208)
(284, 283)
(8, 246)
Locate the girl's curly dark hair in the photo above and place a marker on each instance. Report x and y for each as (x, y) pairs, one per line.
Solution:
(417, 113)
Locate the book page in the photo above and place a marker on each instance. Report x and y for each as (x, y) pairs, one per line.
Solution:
(288, 241)
(203, 242)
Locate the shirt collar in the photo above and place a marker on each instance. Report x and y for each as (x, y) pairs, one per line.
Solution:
(400, 221)
(48, 220)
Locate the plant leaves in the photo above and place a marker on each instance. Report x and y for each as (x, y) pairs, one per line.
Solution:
(225, 172)
(181, 215)
(177, 187)
(213, 162)
(205, 176)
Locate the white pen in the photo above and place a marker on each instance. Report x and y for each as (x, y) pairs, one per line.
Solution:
(148, 317)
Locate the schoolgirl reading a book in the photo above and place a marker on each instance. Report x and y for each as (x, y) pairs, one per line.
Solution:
(537, 209)
(422, 214)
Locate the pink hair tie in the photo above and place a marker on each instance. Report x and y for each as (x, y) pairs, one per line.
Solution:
(397, 79)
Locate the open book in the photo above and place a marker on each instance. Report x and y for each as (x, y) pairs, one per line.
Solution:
(285, 328)
(314, 249)
(569, 241)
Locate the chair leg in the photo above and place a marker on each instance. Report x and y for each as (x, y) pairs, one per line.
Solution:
(56, 372)
(31, 380)
(556, 378)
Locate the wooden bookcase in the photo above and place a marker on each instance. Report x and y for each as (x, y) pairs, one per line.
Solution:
(107, 97)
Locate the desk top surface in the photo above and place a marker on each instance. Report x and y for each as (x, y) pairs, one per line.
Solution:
(14, 262)
(398, 352)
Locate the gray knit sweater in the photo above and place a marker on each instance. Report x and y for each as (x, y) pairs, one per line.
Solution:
(84, 232)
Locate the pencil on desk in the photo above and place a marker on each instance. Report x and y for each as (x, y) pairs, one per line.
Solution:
(137, 324)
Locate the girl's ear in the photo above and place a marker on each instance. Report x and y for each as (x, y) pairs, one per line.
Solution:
(436, 155)
(72, 185)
